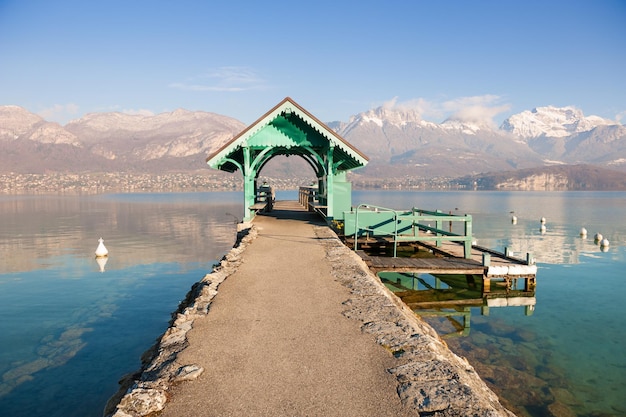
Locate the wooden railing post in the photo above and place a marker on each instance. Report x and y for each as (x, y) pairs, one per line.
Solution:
(438, 226)
(467, 248)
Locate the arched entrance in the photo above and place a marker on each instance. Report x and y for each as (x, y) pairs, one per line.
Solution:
(288, 129)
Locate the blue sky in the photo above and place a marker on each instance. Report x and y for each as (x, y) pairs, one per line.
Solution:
(65, 58)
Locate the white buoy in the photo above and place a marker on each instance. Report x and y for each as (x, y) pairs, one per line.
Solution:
(604, 243)
(597, 237)
(514, 219)
(543, 220)
(542, 228)
(583, 232)
(101, 251)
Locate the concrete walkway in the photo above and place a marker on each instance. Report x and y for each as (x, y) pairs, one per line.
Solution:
(275, 342)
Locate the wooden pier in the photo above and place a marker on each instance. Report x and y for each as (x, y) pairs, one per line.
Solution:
(449, 259)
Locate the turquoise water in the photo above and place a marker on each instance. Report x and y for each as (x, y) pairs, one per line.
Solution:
(568, 356)
(71, 331)
(72, 328)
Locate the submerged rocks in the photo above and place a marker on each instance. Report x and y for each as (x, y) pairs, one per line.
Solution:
(145, 392)
(431, 379)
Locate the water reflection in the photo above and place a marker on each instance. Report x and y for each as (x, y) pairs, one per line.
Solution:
(451, 297)
(162, 227)
(101, 261)
(76, 323)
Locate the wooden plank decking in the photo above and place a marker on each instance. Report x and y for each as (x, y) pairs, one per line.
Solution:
(499, 265)
(450, 260)
(422, 265)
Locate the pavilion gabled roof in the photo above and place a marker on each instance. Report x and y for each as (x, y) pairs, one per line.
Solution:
(288, 129)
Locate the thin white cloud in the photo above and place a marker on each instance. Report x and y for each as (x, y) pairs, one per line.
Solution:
(59, 112)
(476, 109)
(223, 79)
(619, 116)
(421, 106)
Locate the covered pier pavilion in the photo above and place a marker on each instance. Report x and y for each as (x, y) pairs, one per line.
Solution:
(289, 129)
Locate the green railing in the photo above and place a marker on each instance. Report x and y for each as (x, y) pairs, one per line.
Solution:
(407, 226)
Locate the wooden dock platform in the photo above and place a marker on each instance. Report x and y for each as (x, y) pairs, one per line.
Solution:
(422, 265)
(449, 259)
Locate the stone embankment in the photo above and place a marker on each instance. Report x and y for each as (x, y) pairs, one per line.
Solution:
(431, 380)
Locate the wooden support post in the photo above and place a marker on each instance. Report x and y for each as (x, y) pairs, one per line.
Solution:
(486, 279)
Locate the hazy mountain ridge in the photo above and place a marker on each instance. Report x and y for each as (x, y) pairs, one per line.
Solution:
(179, 140)
(17, 123)
(553, 178)
(397, 140)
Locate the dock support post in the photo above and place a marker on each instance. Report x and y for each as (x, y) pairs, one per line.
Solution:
(486, 284)
(486, 279)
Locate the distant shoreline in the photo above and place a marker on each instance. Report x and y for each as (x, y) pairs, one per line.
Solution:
(103, 183)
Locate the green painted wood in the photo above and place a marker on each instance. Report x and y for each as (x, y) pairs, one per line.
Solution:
(288, 129)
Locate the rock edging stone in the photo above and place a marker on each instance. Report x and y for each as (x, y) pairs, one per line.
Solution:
(145, 392)
(432, 380)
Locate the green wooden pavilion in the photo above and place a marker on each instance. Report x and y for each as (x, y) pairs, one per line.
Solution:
(289, 129)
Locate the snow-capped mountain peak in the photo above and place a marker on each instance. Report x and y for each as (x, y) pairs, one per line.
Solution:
(552, 121)
(396, 115)
(469, 127)
(387, 116)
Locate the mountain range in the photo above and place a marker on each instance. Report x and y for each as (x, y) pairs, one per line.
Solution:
(398, 142)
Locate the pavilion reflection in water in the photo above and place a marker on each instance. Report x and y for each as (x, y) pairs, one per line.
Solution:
(453, 296)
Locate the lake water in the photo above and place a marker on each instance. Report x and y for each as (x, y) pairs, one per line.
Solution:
(70, 331)
(568, 357)
(71, 328)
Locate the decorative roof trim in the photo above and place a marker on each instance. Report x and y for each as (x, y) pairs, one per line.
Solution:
(284, 105)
